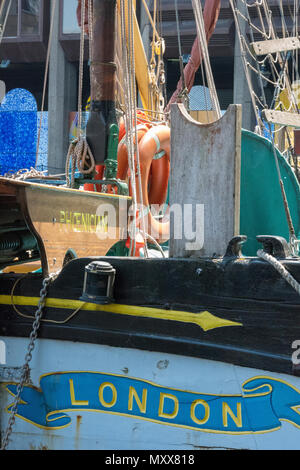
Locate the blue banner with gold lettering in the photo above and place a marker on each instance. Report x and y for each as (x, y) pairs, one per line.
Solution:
(261, 406)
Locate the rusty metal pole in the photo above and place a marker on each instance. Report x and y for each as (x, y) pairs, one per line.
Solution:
(103, 79)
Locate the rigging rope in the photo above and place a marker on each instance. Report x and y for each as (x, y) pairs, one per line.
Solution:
(281, 269)
(204, 50)
(279, 71)
(79, 154)
(3, 26)
(44, 320)
(277, 62)
(130, 119)
(134, 109)
(151, 20)
(45, 79)
(184, 91)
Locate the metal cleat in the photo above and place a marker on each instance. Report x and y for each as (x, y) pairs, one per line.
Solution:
(234, 247)
(274, 245)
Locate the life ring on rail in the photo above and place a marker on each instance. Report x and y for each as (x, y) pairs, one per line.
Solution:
(159, 178)
(123, 165)
(154, 142)
(159, 171)
(143, 125)
(141, 119)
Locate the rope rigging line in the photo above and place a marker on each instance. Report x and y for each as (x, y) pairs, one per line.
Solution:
(3, 26)
(183, 94)
(280, 79)
(151, 20)
(45, 320)
(281, 269)
(128, 121)
(79, 154)
(130, 113)
(204, 51)
(156, 67)
(46, 73)
(134, 108)
(278, 63)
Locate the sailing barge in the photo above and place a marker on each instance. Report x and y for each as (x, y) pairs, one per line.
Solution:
(185, 352)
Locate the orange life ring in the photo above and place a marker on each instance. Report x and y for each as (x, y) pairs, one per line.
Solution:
(154, 151)
(141, 119)
(156, 140)
(159, 174)
(158, 185)
(143, 125)
(123, 153)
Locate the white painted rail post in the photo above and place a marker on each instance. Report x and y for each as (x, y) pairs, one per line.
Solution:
(2, 353)
(204, 183)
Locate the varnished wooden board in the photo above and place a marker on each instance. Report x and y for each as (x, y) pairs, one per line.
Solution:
(69, 221)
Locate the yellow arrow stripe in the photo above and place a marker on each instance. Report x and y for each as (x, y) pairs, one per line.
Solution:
(205, 319)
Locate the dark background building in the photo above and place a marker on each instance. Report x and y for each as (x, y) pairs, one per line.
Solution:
(24, 47)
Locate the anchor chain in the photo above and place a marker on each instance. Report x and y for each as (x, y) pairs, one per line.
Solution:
(28, 357)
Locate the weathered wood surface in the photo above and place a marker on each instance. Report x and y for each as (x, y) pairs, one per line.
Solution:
(282, 118)
(204, 183)
(275, 45)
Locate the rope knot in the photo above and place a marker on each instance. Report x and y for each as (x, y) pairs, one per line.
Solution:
(81, 157)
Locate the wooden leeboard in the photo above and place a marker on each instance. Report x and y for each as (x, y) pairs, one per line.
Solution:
(67, 220)
(85, 223)
(283, 118)
(275, 45)
(205, 173)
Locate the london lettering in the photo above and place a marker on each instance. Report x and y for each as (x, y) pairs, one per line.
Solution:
(59, 394)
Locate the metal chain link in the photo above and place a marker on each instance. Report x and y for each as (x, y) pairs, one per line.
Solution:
(28, 357)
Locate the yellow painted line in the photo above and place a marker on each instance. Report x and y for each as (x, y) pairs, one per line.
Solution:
(205, 319)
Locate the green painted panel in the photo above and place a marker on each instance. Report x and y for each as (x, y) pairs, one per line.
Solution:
(262, 210)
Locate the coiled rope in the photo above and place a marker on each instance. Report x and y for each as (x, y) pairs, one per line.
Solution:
(81, 157)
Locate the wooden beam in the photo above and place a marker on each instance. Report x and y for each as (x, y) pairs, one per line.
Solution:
(282, 118)
(275, 45)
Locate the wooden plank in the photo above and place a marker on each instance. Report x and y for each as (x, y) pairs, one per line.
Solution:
(74, 222)
(275, 45)
(282, 118)
(204, 181)
(62, 220)
(203, 116)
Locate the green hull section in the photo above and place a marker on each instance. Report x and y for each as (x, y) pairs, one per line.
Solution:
(262, 209)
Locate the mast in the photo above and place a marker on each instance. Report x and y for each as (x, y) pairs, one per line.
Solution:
(102, 129)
